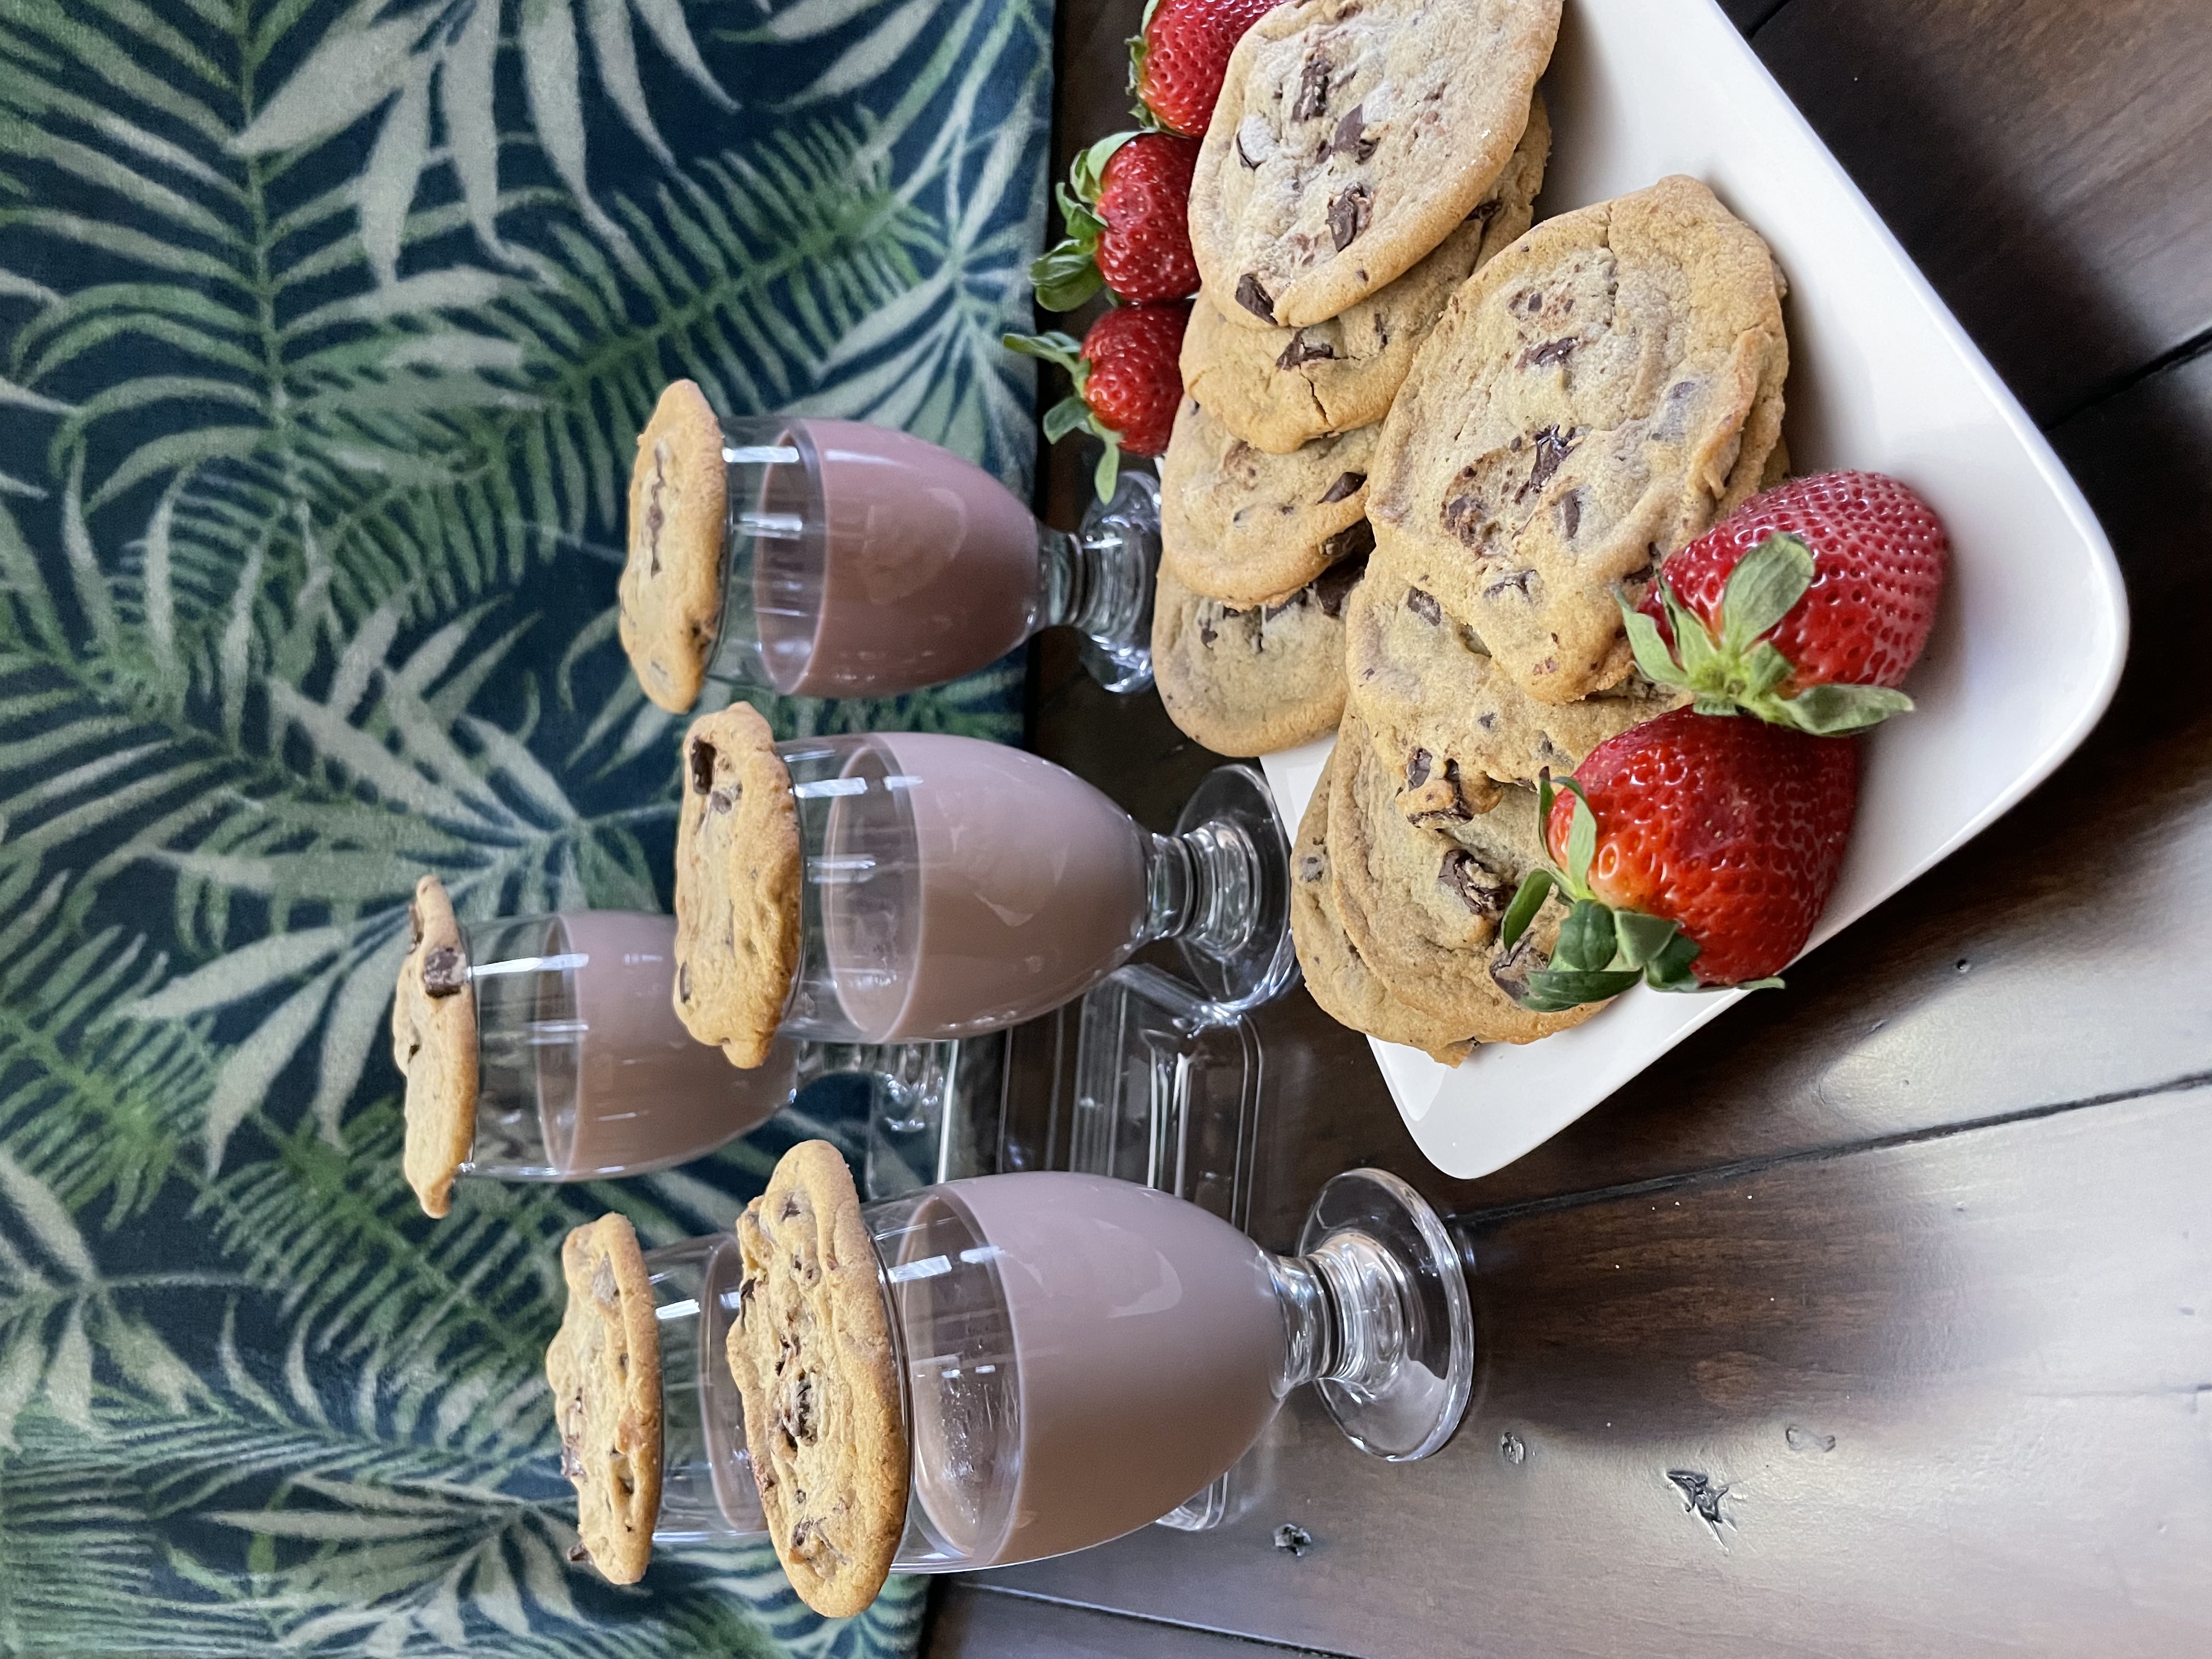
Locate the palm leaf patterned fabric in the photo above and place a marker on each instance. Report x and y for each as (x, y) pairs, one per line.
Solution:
(328, 325)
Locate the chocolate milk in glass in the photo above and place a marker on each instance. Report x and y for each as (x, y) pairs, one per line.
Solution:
(917, 568)
(1145, 1339)
(1016, 887)
(646, 1092)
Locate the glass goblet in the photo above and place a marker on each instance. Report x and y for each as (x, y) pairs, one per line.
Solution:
(857, 560)
(1081, 1355)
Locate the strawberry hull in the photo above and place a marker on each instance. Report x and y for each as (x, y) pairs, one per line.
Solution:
(1727, 826)
(1127, 205)
(1808, 606)
(1126, 382)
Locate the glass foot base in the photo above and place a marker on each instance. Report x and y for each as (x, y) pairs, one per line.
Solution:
(1167, 1094)
(933, 1109)
(1240, 956)
(1382, 1237)
(1120, 541)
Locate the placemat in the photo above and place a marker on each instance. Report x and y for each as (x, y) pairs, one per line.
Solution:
(328, 325)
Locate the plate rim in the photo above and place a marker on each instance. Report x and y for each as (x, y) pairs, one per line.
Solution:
(2099, 668)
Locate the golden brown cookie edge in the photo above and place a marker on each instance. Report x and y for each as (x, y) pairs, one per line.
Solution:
(612, 1237)
(441, 1071)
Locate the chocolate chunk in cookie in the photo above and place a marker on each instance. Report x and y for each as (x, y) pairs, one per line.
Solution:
(671, 590)
(604, 1366)
(433, 1043)
(1350, 137)
(811, 1352)
(737, 873)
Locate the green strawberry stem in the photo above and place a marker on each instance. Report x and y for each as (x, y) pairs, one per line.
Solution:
(1602, 950)
(1067, 273)
(1071, 413)
(1736, 669)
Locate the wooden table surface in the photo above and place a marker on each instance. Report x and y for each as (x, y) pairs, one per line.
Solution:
(1876, 1318)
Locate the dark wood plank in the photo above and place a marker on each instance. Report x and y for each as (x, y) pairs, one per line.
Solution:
(1952, 1397)
(1697, 1270)
(967, 1621)
(2048, 163)
(2071, 986)
(1091, 97)
(1748, 15)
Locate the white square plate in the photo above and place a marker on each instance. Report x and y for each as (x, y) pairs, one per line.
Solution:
(2028, 646)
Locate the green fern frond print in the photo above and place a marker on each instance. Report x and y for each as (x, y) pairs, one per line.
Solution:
(326, 328)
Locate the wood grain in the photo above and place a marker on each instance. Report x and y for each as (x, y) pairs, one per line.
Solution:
(968, 1622)
(1900, 1273)
(2045, 161)
(1952, 1397)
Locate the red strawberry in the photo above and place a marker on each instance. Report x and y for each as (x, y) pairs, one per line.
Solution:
(1807, 605)
(1128, 223)
(1127, 381)
(1696, 850)
(1180, 55)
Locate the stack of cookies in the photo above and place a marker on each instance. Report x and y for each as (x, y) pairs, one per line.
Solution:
(1364, 158)
(1589, 400)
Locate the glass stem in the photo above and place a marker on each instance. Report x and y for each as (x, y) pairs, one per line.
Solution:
(908, 1078)
(1203, 886)
(1097, 582)
(933, 1107)
(1347, 1311)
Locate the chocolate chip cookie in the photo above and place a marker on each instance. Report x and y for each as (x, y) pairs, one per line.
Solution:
(433, 1043)
(1248, 528)
(1277, 388)
(1590, 400)
(737, 885)
(1350, 137)
(670, 591)
(1422, 906)
(1338, 979)
(811, 1351)
(1252, 681)
(604, 1366)
(1441, 712)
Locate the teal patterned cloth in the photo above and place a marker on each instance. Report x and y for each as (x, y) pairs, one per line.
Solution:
(328, 326)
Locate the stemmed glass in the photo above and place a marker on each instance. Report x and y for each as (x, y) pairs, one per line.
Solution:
(951, 886)
(584, 1072)
(583, 1069)
(860, 562)
(1081, 1355)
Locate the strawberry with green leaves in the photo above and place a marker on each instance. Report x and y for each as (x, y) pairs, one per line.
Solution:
(1127, 381)
(1128, 208)
(1695, 851)
(1806, 606)
(1180, 56)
